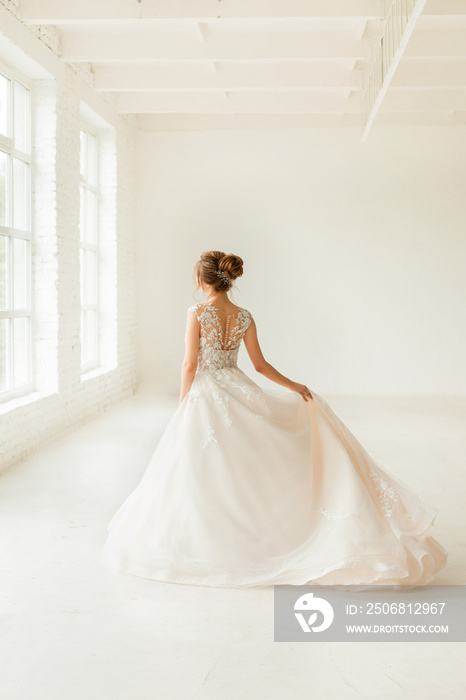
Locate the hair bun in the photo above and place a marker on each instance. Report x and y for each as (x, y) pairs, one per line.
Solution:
(231, 265)
(216, 268)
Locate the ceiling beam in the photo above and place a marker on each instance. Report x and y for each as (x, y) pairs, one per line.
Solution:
(448, 8)
(198, 75)
(101, 45)
(177, 122)
(427, 100)
(436, 42)
(107, 46)
(27, 52)
(61, 12)
(421, 73)
(89, 11)
(396, 100)
(172, 122)
(231, 102)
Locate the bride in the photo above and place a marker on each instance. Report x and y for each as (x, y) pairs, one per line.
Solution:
(257, 487)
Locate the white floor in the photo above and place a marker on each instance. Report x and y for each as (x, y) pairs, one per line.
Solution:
(71, 629)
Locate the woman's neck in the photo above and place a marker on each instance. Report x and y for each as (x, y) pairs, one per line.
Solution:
(217, 296)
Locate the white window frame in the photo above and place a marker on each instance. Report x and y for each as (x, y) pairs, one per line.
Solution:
(7, 145)
(94, 247)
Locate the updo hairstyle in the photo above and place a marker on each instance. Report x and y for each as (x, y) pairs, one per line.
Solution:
(211, 263)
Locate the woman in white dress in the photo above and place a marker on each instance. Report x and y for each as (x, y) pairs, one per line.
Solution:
(256, 487)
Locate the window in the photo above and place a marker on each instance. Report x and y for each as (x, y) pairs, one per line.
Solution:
(15, 236)
(89, 251)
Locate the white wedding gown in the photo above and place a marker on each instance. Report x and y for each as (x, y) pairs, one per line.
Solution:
(256, 487)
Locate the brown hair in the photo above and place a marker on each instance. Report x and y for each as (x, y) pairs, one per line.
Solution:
(213, 261)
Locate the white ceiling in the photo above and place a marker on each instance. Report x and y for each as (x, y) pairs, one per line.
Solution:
(183, 64)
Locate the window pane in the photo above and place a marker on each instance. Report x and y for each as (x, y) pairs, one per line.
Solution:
(82, 213)
(81, 276)
(20, 273)
(4, 189)
(88, 337)
(20, 194)
(83, 338)
(88, 275)
(90, 269)
(22, 119)
(4, 353)
(4, 272)
(5, 87)
(21, 350)
(91, 211)
(92, 336)
(91, 159)
(83, 153)
(88, 253)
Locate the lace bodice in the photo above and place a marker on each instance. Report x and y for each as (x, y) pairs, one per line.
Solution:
(218, 345)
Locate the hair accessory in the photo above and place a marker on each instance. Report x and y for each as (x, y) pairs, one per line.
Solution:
(223, 276)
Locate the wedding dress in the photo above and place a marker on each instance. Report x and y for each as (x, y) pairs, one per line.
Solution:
(255, 487)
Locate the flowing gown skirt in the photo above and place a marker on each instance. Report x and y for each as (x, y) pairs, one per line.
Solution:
(256, 487)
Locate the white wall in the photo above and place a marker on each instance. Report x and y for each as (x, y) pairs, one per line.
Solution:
(354, 253)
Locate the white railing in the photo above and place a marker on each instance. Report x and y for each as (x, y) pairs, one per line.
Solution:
(398, 27)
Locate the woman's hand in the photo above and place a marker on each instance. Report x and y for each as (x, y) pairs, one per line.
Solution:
(303, 390)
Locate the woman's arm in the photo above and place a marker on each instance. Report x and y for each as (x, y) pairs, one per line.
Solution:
(263, 367)
(189, 366)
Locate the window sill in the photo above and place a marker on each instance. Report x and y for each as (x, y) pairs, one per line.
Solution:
(97, 372)
(19, 401)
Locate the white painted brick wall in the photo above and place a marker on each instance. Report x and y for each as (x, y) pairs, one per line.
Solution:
(26, 424)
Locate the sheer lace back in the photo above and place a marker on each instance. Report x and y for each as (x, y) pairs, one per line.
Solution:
(219, 342)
